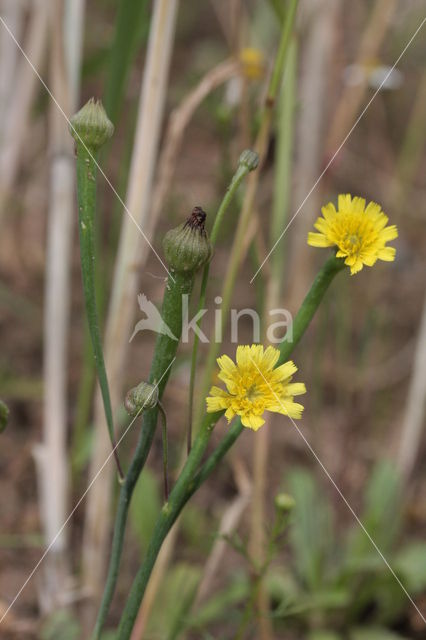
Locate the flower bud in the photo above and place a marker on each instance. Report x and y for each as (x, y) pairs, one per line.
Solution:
(187, 247)
(91, 125)
(144, 396)
(284, 502)
(249, 159)
(4, 416)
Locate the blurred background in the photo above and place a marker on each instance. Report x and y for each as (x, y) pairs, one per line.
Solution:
(185, 85)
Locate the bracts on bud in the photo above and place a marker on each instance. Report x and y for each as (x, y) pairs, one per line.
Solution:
(140, 398)
(187, 247)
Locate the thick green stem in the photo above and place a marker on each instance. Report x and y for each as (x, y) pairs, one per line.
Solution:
(165, 521)
(164, 354)
(165, 451)
(86, 191)
(238, 177)
(190, 480)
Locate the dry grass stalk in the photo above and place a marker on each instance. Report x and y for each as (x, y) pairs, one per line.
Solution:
(17, 118)
(228, 524)
(310, 139)
(13, 15)
(159, 571)
(51, 455)
(414, 415)
(352, 96)
(123, 298)
(179, 120)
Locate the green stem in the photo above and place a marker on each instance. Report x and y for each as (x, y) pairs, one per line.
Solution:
(260, 146)
(166, 519)
(164, 355)
(86, 191)
(237, 178)
(165, 451)
(190, 480)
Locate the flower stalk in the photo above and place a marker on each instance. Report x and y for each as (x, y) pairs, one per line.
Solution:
(248, 161)
(193, 476)
(91, 128)
(179, 284)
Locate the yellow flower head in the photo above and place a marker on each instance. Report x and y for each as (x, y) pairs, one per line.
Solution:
(255, 386)
(359, 232)
(253, 63)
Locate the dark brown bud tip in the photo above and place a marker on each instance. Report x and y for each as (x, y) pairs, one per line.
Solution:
(197, 220)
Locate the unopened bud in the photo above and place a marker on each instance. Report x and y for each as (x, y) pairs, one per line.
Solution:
(249, 159)
(144, 396)
(187, 247)
(91, 125)
(284, 502)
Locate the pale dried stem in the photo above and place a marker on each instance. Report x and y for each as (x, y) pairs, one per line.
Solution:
(155, 581)
(352, 96)
(178, 122)
(413, 422)
(17, 118)
(51, 454)
(124, 290)
(13, 14)
(310, 139)
(228, 524)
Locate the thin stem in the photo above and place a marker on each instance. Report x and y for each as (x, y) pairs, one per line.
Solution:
(190, 480)
(86, 191)
(260, 147)
(165, 451)
(237, 178)
(164, 354)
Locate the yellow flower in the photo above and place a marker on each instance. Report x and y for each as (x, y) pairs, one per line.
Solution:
(359, 232)
(255, 386)
(252, 62)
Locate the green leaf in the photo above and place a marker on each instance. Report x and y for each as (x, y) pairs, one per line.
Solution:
(410, 563)
(60, 624)
(132, 23)
(311, 533)
(173, 602)
(145, 507)
(219, 605)
(382, 515)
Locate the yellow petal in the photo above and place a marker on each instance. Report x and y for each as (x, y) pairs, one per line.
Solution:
(252, 422)
(295, 389)
(270, 357)
(387, 254)
(390, 233)
(226, 364)
(318, 240)
(216, 404)
(284, 371)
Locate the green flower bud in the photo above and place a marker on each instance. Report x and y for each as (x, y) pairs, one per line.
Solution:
(249, 159)
(144, 396)
(284, 502)
(91, 125)
(4, 416)
(187, 247)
